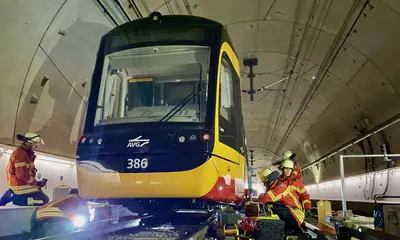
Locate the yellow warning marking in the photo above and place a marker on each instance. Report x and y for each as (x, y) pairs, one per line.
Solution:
(135, 80)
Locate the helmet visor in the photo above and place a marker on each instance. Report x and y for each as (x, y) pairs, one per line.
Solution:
(36, 141)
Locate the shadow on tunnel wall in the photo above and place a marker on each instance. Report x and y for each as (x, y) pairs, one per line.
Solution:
(55, 106)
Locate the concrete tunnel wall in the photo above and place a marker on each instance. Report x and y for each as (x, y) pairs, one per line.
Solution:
(54, 40)
(46, 62)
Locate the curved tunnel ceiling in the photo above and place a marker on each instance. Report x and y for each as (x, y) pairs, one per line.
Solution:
(49, 51)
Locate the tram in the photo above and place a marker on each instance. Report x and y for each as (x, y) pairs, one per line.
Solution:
(164, 118)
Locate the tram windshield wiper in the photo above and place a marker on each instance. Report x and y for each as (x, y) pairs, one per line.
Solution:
(183, 103)
(178, 107)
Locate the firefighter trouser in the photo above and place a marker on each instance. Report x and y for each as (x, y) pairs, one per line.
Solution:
(31, 199)
(291, 225)
(7, 197)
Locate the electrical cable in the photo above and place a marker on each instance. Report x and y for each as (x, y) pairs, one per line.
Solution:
(107, 12)
(305, 33)
(313, 88)
(135, 9)
(296, 82)
(122, 10)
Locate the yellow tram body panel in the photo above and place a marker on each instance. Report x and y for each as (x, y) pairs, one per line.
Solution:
(193, 183)
(221, 149)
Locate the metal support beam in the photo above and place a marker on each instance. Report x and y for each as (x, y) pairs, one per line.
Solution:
(251, 157)
(272, 84)
(249, 178)
(250, 170)
(342, 186)
(251, 62)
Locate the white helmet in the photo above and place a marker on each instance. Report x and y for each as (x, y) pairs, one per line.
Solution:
(32, 138)
(289, 155)
(287, 164)
(263, 174)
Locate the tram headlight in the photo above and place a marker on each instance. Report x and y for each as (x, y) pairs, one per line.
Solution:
(83, 139)
(206, 137)
(79, 221)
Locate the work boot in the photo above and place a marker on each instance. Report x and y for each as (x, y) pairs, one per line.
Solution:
(7, 197)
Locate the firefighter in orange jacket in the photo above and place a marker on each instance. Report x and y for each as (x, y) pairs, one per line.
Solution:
(71, 211)
(21, 172)
(291, 177)
(66, 207)
(289, 210)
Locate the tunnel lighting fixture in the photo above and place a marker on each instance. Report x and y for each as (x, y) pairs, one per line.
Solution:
(313, 78)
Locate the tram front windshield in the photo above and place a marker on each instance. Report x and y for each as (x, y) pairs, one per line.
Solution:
(146, 84)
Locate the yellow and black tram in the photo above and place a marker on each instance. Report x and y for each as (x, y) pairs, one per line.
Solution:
(164, 117)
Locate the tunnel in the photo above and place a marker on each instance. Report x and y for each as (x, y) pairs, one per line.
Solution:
(317, 78)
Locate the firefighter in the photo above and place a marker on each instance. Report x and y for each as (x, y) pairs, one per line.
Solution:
(66, 207)
(291, 177)
(65, 214)
(286, 204)
(24, 190)
(288, 155)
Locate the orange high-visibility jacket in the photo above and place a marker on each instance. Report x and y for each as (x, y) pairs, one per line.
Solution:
(65, 207)
(296, 184)
(297, 172)
(283, 194)
(21, 171)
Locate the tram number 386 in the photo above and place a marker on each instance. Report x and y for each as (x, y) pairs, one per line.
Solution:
(137, 163)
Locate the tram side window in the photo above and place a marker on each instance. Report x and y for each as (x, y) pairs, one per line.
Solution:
(227, 118)
(112, 97)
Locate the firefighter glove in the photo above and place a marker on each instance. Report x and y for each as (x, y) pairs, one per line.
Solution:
(41, 183)
(309, 213)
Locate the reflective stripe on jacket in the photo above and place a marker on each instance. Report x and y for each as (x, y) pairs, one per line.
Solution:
(283, 194)
(21, 171)
(65, 207)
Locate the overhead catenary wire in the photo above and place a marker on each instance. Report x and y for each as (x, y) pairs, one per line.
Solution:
(105, 10)
(144, 3)
(323, 70)
(303, 68)
(122, 10)
(187, 6)
(135, 9)
(168, 3)
(304, 36)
